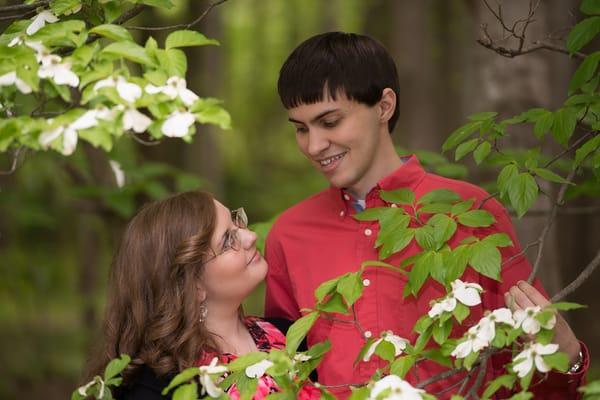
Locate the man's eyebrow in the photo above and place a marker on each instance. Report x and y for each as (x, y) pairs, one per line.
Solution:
(321, 115)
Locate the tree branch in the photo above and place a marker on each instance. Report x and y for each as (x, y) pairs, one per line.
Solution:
(179, 26)
(24, 7)
(15, 161)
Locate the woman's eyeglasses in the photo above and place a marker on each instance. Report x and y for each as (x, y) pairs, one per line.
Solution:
(231, 239)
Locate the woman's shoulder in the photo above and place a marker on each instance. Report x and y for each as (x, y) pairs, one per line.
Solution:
(145, 385)
(266, 334)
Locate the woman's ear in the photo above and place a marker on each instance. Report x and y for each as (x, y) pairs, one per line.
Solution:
(387, 105)
(201, 292)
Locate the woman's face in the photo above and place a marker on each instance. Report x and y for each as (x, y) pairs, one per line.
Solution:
(232, 274)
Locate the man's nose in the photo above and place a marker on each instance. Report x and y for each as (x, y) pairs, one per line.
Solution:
(317, 142)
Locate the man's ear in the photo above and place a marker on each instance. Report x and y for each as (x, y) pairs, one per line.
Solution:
(387, 105)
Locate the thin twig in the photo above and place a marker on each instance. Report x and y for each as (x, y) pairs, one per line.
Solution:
(511, 53)
(16, 16)
(145, 142)
(179, 26)
(583, 276)
(24, 7)
(546, 230)
(15, 161)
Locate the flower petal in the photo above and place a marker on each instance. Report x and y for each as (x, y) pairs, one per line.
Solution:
(49, 136)
(371, 350)
(128, 91)
(133, 119)
(118, 171)
(257, 370)
(69, 141)
(178, 124)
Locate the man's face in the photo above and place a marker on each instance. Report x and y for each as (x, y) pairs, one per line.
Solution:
(342, 139)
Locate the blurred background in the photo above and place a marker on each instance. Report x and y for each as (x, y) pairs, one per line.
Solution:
(61, 217)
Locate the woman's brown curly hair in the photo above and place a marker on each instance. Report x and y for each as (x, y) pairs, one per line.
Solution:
(153, 312)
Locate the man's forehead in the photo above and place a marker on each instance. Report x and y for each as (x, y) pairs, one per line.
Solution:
(309, 111)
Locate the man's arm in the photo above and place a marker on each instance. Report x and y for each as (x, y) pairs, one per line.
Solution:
(279, 299)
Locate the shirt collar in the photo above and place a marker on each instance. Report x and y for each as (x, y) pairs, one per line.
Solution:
(407, 175)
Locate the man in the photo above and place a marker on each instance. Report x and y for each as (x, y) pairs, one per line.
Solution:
(340, 90)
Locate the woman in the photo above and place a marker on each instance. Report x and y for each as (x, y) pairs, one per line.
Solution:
(184, 266)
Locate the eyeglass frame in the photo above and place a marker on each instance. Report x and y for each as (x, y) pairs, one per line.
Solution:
(240, 220)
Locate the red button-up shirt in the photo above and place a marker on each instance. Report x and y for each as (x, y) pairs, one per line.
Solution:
(318, 239)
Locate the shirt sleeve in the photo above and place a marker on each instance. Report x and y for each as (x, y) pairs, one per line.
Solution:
(279, 299)
(516, 267)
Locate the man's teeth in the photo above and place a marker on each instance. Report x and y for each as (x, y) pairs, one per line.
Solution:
(329, 160)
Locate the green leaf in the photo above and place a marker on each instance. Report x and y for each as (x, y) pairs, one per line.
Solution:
(187, 38)
(167, 4)
(435, 208)
(402, 365)
(508, 174)
(441, 332)
(398, 196)
(396, 242)
(385, 350)
(476, 218)
(111, 31)
(565, 306)
(214, 115)
(425, 239)
(420, 271)
(246, 360)
(461, 312)
(498, 240)
(590, 7)
(550, 176)
(130, 51)
(439, 196)
(465, 148)
(543, 124)
(350, 287)
(485, 259)
(437, 269)
(587, 148)
(507, 381)
(116, 366)
(558, 361)
(373, 214)
(180, 378)
(444, 228)
(565, 120)
(422, 324)
(456, 262)
(583, 33)
(481, 152)
(522, 192)
(364, 350)
(437, 356)
(66, 7)
(460, 135)
(483, 116)
(186, 392)
(585, 71)
(334, 304)
(326, 288)
(461, 207)
(297, 332)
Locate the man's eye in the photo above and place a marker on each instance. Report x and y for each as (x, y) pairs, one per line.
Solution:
(301, 129)
(330, 124)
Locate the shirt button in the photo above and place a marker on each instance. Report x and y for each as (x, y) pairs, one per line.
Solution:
(346, 197)
(366, 282)
(342, 213)
(367, 334)
(394, 205)
(368, 232)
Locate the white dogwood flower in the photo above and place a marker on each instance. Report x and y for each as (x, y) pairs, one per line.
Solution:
(398, 342)
(397, 389)
(39, 21)
(447, 304)
(60, 72)
(208, 385)
(478, 337)
(257, 370)
(175, 87)
(532, 355)
(526, 319)
(118, 172)
(178, 124)
(11, 78)
(133, 119)
(69, 139)
(503, 315)
(128, 91)
(467, 293)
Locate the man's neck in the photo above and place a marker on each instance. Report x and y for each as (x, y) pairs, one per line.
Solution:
(384, 164)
